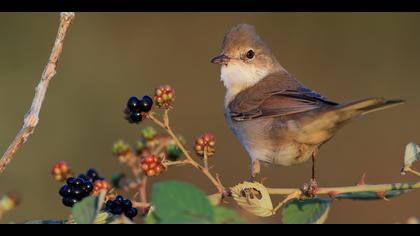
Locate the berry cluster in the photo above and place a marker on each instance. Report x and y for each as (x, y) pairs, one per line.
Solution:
(205, 143)
(75, 190)
(120, 206)
(164, 96)
(152, 165)
(137, 107)
(61, 171)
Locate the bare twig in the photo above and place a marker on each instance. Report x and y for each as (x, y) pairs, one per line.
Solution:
(32, 116)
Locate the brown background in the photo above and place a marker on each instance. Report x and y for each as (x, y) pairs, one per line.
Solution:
(108, 57)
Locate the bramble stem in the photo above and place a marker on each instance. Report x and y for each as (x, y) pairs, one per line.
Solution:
(206, 159)
(376, 188)
(165, 125)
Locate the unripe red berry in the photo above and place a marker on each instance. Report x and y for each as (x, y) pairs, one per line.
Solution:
(205, 143)
(61, 171)
(99, 185)
(164, 96)
(152, 165)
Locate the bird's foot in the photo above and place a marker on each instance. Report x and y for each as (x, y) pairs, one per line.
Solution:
(310, 189)
(255, 170)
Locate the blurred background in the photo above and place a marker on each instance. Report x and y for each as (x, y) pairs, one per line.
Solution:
(110, 56)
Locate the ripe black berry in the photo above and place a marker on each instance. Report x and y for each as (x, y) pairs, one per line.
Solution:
(69, 201)
(92, 174)
(70, 181)
(65, 191)
(133, 103)
(146, 104)
(78, 182)
(117, 210)
(119, 206)
(131, 213)
(126, 203)
(88, 187)
(84, 177)
(135, 117)
(119, 199)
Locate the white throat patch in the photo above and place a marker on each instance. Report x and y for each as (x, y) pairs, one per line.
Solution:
(237, 77)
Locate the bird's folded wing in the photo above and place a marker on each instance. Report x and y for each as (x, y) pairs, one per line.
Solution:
(257, 103)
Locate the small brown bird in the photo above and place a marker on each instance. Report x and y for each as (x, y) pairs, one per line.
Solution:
(277, 119)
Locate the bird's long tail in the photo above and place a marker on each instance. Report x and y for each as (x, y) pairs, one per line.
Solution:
(361, 107)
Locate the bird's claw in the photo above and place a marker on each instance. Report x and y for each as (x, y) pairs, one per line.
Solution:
(310, 189)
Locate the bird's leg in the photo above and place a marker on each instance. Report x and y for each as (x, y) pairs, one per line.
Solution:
(255, 169)
(313, 167)
(310, 188)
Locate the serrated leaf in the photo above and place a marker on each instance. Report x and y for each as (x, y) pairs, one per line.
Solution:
(253, 197)
(85, 211)
(370, 195)
(223, 215)
(177, 202)
(411, 155)
(309, 211)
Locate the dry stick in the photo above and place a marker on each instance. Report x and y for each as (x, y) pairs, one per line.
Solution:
(32, 116)
(165, 125)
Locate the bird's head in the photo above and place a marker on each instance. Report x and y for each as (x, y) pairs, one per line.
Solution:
(245, 59)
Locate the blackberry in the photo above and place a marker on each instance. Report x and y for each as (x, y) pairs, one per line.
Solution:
(133, 103)
(65, 191)
(84, 177)
(69, 201)
(75, 190)
(120, 206)
(131, 213)
(70, 181)
(92, 174)
(135, 117)
(146, 104)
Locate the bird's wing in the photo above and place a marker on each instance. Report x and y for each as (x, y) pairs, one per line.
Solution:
(273, 98)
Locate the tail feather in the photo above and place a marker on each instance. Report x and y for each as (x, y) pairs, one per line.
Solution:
(365, 106)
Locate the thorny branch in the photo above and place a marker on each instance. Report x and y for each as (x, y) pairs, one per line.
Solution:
(32, 116)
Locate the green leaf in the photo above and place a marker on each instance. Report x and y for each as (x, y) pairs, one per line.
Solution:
(223, 215)
(309, 211)
(85, 212)
(177, 202)
(370, 195)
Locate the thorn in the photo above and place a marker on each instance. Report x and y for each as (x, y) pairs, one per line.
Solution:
(362, 181)
(382, 196)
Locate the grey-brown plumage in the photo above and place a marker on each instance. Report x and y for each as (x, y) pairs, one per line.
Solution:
(276, 118)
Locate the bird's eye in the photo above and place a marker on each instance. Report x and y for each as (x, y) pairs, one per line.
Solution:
(250, 54)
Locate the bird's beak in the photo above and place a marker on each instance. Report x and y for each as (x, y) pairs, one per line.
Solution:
(221, 59)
